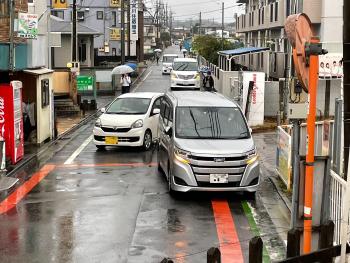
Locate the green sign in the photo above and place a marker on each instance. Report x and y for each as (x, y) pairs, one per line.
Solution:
(85, 83)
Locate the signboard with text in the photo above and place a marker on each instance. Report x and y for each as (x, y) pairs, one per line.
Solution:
(59, 4)
(85, 83)
(27, 25)
(134, 34)
(115, 3)
(115, 34)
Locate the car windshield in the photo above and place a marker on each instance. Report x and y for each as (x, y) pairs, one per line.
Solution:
(185, 66)
(129, 106)
(210, 123)
(169, 59)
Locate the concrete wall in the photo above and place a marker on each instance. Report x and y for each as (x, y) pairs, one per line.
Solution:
(271, 98)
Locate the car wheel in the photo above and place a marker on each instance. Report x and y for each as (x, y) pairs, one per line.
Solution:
(170, 189)
(250, 195)
(147, 140)
(101, 147)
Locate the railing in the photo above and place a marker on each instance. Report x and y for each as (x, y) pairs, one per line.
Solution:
(337, 192)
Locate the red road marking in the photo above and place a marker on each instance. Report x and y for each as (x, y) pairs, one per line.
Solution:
(229, 243)
(14, 198)
(107, 165)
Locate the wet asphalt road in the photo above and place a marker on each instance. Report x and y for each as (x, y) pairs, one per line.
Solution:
(113, 206)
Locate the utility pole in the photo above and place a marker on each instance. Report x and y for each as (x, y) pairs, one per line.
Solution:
(346, 82)
(74, 32)
(223, 26)
(200, 23)
(12, 29)
(122, 27)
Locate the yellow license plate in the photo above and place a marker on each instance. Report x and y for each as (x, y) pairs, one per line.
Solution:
(111, 140)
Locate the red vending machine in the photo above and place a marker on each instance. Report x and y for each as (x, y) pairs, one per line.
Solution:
(11, 120)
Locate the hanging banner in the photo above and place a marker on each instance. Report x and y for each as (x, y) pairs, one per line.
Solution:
(134, 30)
(59, 4)
(27, 25)
(115, 34)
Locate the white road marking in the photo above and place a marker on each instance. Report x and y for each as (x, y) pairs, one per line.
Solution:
(143, 80)
(71, 158)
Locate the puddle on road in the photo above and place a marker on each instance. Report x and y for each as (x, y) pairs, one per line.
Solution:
(173, 222)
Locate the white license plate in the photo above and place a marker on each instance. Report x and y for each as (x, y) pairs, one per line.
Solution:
(218, 178)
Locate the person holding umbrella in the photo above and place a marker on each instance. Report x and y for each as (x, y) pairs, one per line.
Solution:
(125, 81)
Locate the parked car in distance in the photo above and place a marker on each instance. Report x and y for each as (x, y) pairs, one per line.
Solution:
(130, 120)
(205, 144)
(185, 74)
(168, 60)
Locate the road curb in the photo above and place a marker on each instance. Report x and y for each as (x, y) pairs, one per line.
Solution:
(285, 199)
(32, 160)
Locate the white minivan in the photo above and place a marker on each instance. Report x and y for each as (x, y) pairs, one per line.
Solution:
(185, 74)
(168, 60)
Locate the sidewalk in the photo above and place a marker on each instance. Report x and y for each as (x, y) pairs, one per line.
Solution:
(266, 143)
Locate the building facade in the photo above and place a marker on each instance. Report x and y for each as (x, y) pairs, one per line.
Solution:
(262, 25)
(103, 17)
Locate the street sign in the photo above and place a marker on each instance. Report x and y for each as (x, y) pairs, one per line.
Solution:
(85, 83)
(115, 3)
(59, 4)
(134, 31)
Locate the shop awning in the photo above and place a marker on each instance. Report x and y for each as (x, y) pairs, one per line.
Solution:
(39, 71)
(242, 51)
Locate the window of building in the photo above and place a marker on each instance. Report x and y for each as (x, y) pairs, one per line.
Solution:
(31, 2)
(262, 15)
(114, 52)
(276, 11)
(114, 18)
(271, 13)
(4, 8)
(259, 18)
(58, 13)
(288, 5)
(99, 15)
(80, 15)
(82, 52)
(250, 19)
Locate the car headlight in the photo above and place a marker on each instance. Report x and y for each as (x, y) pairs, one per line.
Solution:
(137, 124)
(98, 123)
(182, 156)
(252, 157)
(197, 76)
(173, 76)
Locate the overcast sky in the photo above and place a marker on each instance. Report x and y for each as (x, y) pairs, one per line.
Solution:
(187, 9)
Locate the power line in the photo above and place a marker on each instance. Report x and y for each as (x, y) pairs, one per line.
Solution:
(208, 12)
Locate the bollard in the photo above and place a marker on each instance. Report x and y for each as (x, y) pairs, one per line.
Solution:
(167, 260)
(293, 243)
(214, 255)
(255, 250)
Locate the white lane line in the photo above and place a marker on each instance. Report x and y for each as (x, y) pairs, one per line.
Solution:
(143, 80)
(71, 158)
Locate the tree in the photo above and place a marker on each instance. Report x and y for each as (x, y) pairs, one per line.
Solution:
(165, 38)
(208, 47)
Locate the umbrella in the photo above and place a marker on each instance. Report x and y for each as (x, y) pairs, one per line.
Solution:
(132, 65)
(184, 50)
(158, 50)
(123, 69)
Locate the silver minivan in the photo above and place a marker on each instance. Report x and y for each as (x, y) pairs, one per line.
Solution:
(205, 144)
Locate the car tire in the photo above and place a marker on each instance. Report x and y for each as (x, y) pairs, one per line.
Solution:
(147, 140)
(250, 195)
(172, 193)
(101, 147)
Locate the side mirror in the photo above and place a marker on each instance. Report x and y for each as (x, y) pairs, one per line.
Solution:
(103, 110)
(169, 131)
(155, 111)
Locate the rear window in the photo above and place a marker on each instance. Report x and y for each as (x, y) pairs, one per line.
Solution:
(169, 59)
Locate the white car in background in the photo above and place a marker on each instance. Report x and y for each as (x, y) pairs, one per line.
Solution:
(130, 120)
(185, 74)
(168, 60)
